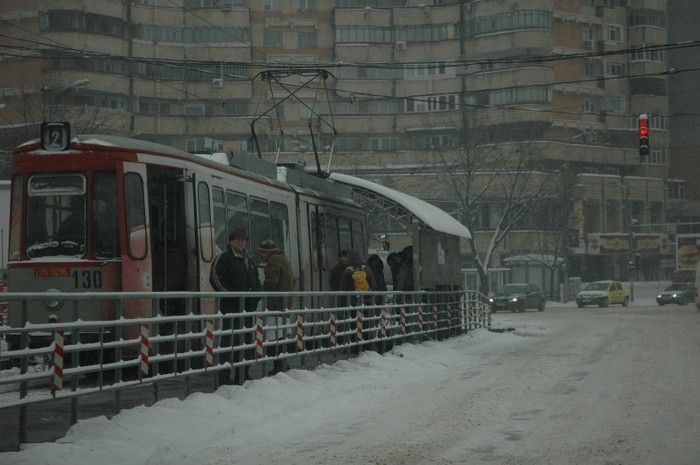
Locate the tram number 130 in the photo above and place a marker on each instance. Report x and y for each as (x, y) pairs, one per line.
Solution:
(87, 279)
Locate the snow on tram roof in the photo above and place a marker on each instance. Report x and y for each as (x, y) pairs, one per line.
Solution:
(429, 214)
(121, 142)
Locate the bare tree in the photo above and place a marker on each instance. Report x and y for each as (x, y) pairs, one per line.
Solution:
(505, 179)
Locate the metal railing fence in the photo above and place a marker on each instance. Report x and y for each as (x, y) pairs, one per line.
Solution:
(68, 359)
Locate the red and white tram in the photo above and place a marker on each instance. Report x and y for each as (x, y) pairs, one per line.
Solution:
(105, 213)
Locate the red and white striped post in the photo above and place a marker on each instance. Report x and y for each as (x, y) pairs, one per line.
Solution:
(435, 316)
(420, 318)
(209, 344)
(259, 336)
(143, 368)
(359, 324)
(332, 340)
(300, 332)
(58, 355)
(402, 320)
(382, 324)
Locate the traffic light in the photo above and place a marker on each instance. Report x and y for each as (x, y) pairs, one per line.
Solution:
(643, 135)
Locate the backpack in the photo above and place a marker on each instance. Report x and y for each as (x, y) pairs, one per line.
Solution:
(359, 278)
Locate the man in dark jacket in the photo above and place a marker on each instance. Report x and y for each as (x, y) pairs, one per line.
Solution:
(234, 271)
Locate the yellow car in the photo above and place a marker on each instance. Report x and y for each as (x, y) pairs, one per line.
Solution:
(602, 294)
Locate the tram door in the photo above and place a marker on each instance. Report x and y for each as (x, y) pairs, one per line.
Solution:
(167, 211)
(136, 263)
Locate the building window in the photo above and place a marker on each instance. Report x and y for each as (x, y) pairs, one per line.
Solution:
(272, 39)
(656, 157)
(274, 144)
(239, 108)
(154, 108)
(347, 144)
(614, 68)
(423, 70)
(383, 107)
(589, 68)
(612, 33)
(387, 143)
(588, 105)
(307, 5)
(676, 189)
(427, 33)
(272, 5)
(346, 108)
(511, 21)
(307, 39)
(431, 103)
(612, 103)
(363, 34)
(646, 17)
(198, 109)
(653, 53)
(587, 33)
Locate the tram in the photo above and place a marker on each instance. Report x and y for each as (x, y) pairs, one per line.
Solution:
(98, 213)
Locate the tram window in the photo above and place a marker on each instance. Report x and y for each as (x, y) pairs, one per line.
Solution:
(135, 215)
(236, 211)
(279, 224)
(205, 239)
(344, 233)
(16, 218)
(259, 222)
(357, 236)
(56, 215)
(219, 204)
(332, 237)
(105, 229)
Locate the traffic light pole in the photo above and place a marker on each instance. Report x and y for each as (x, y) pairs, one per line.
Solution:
(630, 241)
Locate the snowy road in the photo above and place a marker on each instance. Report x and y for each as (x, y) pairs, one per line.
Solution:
(613, 386)
(590, 386)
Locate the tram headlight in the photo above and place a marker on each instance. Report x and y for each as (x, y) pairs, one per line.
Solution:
(53, 304)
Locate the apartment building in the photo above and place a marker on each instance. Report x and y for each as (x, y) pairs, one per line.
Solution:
(401, 83)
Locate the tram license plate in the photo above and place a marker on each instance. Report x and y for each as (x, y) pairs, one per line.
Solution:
(52, 271)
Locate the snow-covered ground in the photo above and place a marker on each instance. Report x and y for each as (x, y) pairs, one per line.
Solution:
(569, 386)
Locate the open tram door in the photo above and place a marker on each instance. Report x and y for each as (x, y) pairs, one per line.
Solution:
(135, 254)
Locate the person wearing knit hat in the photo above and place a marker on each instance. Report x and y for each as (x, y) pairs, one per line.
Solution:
(267, 247)
(278, 278)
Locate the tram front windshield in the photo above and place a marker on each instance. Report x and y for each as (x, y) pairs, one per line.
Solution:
(58, 219)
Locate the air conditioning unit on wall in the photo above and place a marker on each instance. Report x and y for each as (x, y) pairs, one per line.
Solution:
(217, 83)
(400, 45)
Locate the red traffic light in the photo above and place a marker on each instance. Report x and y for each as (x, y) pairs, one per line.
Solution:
(643, 134)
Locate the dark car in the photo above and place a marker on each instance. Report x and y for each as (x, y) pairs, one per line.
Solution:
(518, 298)
(677, 293)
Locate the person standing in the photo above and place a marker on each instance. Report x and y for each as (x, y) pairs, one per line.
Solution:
(356, 266)
(234, 271)
(375, 262)
(278, 278)
(338, 270)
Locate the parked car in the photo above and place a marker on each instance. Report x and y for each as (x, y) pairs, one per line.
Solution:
(518, 297)
(677, 293)
(602, 294)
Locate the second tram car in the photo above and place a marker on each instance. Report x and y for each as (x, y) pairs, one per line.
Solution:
(96, 213)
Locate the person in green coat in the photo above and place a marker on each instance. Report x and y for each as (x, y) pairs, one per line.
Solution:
(278, 278)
